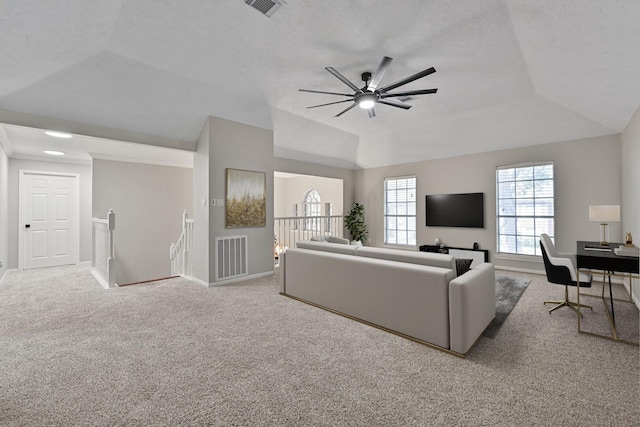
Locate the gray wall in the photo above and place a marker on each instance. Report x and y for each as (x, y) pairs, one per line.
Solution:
(201, 268)
(148, 201)
(4, 211)
(226, 144)
(84, 176)
(631, 185)
(346, 175)
(291, 190)
(587, 172)
(239, 146)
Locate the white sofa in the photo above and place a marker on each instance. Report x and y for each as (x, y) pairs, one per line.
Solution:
(413, 294)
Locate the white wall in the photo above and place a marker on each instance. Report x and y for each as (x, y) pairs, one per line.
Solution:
(292, 190)
(4, 211)
(631, 185)
(587, 172)
(84, 174)
(148, 201)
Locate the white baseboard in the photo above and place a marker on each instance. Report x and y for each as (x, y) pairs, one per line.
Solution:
(520, 270)
(197, 281)
(5, 273)
(230, 281)
(101, 281)
(240, 279)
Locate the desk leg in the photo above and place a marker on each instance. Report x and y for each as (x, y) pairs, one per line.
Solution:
(609, 311)
(613, 313)
(611, 316)
(578, 297)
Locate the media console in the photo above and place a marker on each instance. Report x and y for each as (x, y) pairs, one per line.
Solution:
(477, 255)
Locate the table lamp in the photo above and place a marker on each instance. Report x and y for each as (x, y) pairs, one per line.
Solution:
(604, 214)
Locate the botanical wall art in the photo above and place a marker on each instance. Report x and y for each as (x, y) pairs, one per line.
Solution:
(246, 199)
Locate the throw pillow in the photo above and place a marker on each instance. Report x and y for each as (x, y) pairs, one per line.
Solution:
(463, 265)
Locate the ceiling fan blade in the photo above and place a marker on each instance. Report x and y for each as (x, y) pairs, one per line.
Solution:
(372, 112)
(331, 103)
(382, 68)
(409, 79)
(343, 79)
(409, 93)
(346, 109)
(394, 103)
(327, 93)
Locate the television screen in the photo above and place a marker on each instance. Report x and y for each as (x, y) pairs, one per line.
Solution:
(455, 210)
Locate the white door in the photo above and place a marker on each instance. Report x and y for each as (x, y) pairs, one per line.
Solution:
(49, 219)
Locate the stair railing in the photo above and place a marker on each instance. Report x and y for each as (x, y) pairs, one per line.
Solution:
(181, 252)
(103, 259)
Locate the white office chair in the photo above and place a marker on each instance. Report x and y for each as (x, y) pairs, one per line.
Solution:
(561, 270)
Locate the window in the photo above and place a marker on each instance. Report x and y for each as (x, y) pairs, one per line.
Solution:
(525, 207)
(312, 207)
(400, 211)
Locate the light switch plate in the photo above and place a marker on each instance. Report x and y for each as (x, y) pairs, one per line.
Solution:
(213, 202)
(204, 203)
(220, 202)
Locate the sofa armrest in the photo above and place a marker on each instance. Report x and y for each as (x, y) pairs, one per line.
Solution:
(472, 306)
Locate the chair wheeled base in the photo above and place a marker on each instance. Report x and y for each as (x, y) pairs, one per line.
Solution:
(566, 303)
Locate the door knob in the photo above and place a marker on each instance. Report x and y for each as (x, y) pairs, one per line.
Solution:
(27, 226)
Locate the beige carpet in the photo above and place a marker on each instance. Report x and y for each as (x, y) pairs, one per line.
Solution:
(176, 353)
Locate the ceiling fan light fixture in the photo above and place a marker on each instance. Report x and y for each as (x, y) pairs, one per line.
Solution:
(366, 101)
(370, 95)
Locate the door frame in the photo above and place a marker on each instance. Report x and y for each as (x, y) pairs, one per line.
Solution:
(76, 211)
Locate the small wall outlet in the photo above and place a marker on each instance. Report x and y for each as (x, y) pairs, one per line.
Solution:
(220, 202)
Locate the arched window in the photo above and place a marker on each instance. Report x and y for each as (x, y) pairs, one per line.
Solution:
(312, 207)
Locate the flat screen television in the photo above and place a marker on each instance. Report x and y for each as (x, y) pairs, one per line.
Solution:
(455, 210)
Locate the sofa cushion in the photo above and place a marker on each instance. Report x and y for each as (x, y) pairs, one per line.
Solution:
(463, 265)
(335, 239)
(326, 247)
(422, 258)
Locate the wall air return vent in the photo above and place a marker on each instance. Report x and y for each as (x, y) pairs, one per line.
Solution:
(266, 7)
(231, 257)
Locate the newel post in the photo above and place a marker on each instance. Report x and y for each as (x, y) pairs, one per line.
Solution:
(185, 247)
(111, 260)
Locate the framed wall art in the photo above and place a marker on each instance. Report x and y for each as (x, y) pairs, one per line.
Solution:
(246, 204)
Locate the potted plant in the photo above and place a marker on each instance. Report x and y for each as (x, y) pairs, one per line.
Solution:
(354, 222)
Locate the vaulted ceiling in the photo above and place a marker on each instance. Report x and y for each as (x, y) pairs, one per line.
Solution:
(510, 73)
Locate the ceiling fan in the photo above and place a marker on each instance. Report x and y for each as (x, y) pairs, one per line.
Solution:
(369, 95)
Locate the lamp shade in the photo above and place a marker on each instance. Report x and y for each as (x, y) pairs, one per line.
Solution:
(604, 213)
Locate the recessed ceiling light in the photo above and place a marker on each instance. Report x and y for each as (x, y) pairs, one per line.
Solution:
(54, 153)
(58, 134)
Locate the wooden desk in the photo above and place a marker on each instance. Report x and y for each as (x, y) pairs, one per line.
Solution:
(591, 256)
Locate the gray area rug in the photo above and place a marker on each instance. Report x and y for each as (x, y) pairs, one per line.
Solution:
(508, 292)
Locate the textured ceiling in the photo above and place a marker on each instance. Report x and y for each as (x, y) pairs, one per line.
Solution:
(509, 73)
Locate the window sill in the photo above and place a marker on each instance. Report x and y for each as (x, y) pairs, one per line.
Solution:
(518, 257)
(405, 247)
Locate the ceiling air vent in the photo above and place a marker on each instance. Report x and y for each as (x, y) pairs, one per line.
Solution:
(406, 98)
(266, 7)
